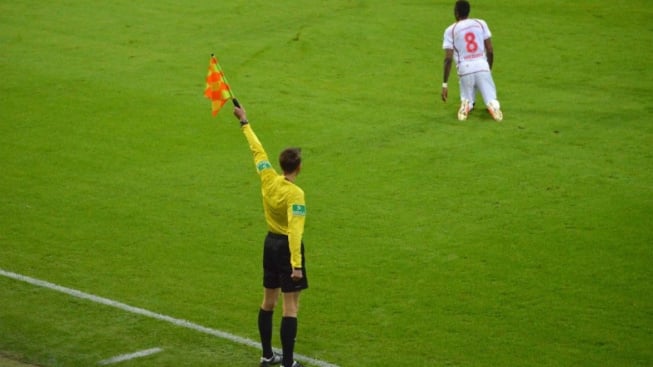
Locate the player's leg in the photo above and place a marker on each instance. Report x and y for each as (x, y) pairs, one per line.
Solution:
(489, 92)
(466, 96)
(472, 102)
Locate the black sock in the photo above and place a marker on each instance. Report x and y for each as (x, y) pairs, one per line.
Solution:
(288, 335)
(265, 331)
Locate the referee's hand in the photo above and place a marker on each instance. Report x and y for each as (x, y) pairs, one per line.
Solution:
(240, 113)
(297, 274)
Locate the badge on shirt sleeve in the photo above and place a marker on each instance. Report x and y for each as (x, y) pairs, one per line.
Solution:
(260, 166)
(298, 209)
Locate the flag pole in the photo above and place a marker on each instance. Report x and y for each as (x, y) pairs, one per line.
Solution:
(224, 76)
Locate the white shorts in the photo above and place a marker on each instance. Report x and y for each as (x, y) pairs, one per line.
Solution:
(480, 81)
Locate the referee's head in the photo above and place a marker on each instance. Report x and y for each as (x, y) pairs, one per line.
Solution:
(290, 160)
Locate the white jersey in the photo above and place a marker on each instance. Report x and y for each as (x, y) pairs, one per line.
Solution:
(467, 39)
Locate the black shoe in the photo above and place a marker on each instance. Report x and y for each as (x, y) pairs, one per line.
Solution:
(275, 359)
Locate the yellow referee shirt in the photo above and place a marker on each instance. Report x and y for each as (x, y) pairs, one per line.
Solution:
(283, 201)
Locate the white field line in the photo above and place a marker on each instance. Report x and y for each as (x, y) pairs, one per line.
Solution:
(140, 311)
(127, 357)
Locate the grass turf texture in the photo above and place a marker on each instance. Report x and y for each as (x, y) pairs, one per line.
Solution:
(430, 242)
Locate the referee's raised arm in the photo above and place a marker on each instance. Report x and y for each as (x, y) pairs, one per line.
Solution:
(261, 160)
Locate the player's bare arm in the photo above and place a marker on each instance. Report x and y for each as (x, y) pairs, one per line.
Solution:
(489, 52)
(448, 59)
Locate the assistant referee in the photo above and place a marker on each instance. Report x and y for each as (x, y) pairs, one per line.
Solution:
(284, 268)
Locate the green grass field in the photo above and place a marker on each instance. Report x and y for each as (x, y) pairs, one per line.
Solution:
(430, 242)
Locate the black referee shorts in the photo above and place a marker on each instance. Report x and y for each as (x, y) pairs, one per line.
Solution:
(277, 270)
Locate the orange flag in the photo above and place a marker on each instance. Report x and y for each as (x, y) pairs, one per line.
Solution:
(217, 89)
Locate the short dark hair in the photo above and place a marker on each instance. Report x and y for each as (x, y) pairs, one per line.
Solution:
(290, 159)
(462, 8)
